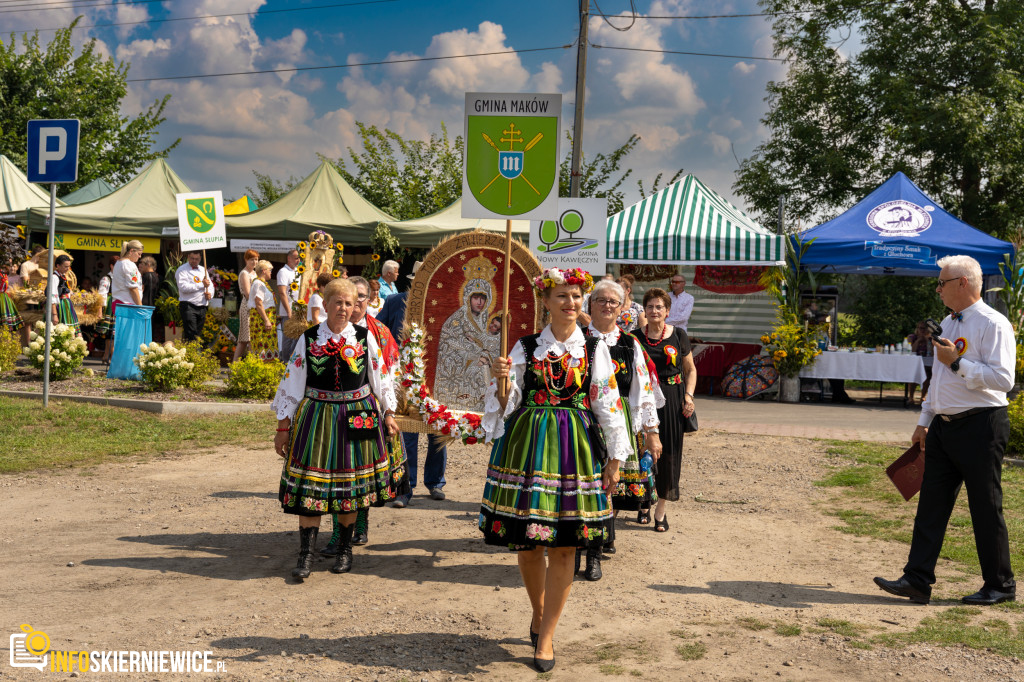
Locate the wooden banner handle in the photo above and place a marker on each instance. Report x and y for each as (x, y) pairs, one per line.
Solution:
(503, 385)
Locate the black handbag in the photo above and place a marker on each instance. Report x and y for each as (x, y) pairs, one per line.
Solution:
(690, 423)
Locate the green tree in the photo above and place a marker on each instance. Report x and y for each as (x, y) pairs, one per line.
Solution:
(268, 190)
(51, 81)
(887, 309)
(406, 178)
(935, 91)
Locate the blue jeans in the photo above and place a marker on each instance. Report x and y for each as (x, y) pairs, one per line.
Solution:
(433, 468)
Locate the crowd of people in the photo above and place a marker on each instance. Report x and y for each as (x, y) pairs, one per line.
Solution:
(585, 420)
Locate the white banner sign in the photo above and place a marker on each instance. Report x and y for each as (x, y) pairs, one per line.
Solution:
(262, 245)
(576, 239)
(201, 220)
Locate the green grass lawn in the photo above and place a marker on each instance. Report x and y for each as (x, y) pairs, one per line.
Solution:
(868, 505)
(71, 434)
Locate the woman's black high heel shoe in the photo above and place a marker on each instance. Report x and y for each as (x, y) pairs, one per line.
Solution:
(643, 516)
(661, 526)
(543, 665)
(533, 636)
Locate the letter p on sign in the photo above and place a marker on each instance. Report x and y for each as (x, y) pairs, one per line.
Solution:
(53, 151)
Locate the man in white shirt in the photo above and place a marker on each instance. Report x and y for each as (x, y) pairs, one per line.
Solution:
(965, 427)
(388, 276)
(286, 295)
(194, 293)
(682, 303)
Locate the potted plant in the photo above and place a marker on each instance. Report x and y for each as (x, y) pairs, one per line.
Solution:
(792, 345)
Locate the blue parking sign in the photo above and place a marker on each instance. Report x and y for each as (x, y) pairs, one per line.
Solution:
(53, 150)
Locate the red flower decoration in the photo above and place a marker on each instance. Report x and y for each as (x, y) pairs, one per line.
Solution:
(540, 397)
(471, 440)
(496, 526)
(357, 422)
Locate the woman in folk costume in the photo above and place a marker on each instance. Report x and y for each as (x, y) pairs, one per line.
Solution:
(10, 318)
(60, 295)
(548, 475)
(642, 397)
(335, 408)
(396, 450)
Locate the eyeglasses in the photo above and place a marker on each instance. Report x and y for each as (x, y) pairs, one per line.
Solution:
(679, 281)
(362, 297)
(942, 282)
(608, 301)
(655, 308)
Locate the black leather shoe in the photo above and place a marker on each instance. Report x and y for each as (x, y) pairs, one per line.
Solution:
(608, 549)
(360, 538)
(988, 596)
(903, 588)
(543, 665)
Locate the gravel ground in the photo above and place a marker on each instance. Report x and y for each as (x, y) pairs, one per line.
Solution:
(192, 552)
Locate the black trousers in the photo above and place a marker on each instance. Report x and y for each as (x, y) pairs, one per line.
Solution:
(193, 317)
(966, 451)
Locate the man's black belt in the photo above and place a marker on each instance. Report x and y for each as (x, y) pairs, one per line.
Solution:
(965, 413)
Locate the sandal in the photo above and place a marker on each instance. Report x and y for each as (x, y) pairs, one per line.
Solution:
(661, 526)
(643, 516)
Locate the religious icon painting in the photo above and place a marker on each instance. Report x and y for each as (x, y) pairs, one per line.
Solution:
(315, 257)
(457, 299)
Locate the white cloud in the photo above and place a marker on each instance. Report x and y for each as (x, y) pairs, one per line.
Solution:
(744, 68)
(457, 76)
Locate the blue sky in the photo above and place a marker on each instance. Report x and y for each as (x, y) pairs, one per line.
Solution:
(691, 112)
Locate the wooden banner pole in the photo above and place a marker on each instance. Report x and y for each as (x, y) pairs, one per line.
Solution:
(504, 387)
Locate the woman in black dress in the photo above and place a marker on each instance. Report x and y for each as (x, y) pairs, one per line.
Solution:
(669, 349)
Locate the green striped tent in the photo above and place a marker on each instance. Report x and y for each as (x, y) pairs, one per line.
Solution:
(687, 223)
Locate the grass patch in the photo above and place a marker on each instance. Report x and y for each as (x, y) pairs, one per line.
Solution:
(692, 652)
(612, 669)
(612, 651)
(70, 434)
(842, 627)
(753, 624)
(787, 630)
(961, 626)
(682, 634)
(869, 506)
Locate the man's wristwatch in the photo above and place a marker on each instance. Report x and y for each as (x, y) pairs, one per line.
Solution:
(955, 365)
(689, 394)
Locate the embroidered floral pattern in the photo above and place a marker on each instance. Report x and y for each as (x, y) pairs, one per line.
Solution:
(499, 529)
(536, 531)
(364, 420)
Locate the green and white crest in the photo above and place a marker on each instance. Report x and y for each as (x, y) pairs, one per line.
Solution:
(201, 220)
(511, 168)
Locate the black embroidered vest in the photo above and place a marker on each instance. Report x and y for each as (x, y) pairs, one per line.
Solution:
(553, 384)
(622, 356)
(337, 366)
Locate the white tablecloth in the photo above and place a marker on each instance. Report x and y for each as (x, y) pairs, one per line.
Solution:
(907, 369)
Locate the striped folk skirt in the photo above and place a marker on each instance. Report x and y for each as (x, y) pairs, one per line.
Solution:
(338, 459)
(10, 318)
(543, 484)
(636, 488)
(66, 315)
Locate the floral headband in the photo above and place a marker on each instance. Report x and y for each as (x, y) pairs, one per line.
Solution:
(553, 277)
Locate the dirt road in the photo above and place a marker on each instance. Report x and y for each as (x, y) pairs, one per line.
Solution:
(191, 553)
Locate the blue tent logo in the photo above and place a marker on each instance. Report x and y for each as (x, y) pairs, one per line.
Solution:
(900, 218)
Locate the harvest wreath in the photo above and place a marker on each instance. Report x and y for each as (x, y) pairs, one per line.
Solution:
(413, 373)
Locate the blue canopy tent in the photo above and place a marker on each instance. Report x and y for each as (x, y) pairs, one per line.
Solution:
(897, 230)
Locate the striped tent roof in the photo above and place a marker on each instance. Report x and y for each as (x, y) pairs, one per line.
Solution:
(687, 223)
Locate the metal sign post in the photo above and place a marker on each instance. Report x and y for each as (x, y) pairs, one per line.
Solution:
(52, 158)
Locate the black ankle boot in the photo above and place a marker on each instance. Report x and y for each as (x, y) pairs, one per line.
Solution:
(579, 555)
(343, 562)
(307, 544)
(609, 545)
(593, 572)
(331, 549)
(361, 534)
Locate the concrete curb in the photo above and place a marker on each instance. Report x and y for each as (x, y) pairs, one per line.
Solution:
(153, 406)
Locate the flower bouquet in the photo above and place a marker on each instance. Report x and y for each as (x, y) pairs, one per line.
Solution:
(792, 345)
(66, 350)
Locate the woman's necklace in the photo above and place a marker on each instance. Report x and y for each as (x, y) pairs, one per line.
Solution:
(660, 338)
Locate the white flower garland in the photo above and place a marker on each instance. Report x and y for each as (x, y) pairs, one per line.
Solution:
(412, 370)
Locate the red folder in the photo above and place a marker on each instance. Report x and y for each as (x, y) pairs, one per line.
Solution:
(907, 472)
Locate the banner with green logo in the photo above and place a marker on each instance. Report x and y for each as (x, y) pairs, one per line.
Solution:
(576, 238)
(511, 168)
(201, 220)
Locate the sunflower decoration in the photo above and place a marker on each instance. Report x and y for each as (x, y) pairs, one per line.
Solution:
(301, 246)
(375, 257)
(302, 255)
(301, 269)
(295, 286)
(336, 274)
